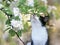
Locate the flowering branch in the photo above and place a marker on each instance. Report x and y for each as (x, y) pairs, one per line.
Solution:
(19, 38)
(12, 25)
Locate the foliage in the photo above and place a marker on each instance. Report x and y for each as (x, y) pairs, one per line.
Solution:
(12, 32)
(37, 7)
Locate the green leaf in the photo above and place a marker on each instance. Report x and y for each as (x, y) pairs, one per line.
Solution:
(8, 22)
(24, 9)
(8, 11)
(22, 1)
(19, 32)
(17, 18)
(7, 29)
(12, 32)
(6, 4)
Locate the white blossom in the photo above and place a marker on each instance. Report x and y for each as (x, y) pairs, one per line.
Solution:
(17, 24)
(16, 11)
(1, 6)
(30, 2)
(50, 8)
(54, 8)
(8, 2)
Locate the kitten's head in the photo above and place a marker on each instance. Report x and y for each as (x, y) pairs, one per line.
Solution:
(35, 20)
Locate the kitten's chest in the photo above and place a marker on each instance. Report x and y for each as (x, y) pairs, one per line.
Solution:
(39, 33)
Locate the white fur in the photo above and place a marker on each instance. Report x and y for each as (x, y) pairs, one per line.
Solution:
(29, 43)
(39, 33)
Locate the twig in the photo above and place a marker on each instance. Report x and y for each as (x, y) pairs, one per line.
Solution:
(19, 38)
